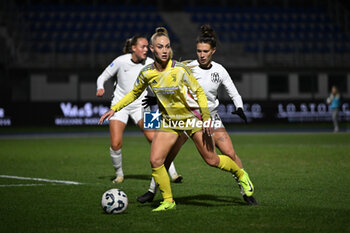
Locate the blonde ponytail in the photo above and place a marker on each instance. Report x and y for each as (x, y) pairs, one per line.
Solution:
(160, 31)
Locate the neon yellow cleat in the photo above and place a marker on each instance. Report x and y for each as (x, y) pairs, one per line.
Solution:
(247, 185)
(164, 205)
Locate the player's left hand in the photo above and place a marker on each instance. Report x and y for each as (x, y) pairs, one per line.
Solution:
(148, 101)
(107, 116)
(241, 114)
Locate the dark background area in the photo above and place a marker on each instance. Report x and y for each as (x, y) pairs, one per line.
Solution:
(277, 52)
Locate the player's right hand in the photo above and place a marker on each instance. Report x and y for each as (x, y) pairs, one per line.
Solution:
(100, 92)
(107, 116)
(208, 128)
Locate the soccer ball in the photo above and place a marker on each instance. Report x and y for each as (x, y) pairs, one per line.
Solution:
(114, 201)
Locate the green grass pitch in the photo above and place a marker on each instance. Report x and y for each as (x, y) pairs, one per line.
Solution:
(302, 183)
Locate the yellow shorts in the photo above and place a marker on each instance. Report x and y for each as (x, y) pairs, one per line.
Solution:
(180, 131)
(189, 132)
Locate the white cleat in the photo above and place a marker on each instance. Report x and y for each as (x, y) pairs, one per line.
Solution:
(118, 179)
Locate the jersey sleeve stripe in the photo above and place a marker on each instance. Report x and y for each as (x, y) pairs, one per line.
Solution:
(178, 64)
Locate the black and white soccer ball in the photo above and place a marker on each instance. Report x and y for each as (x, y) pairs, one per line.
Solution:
(114, 201)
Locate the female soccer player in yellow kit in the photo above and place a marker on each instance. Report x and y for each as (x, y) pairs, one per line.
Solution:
(125, 69)
(174, 86)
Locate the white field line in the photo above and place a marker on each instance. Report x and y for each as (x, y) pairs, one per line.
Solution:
(41, 179)
(19, 185)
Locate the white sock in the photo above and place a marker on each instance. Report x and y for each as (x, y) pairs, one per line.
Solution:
(152, 186)
(116, 156)
(172, 170)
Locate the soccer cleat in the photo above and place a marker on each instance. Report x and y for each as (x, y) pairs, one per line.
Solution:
(250, 200)
(177, 178)
(239, 185)
(147, 197)
(246, 184)
(164, 205)
(118, 179)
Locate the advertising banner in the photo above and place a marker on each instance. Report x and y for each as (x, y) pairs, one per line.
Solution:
(88, 113)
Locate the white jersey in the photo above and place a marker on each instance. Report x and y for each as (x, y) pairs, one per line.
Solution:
(210, 79)
(125, 72)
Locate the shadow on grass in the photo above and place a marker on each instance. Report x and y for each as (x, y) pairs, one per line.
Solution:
(139, 177)
(206, 201)
(136, 177)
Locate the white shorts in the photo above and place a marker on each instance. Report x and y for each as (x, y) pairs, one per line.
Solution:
(124, 114)
(133, 110)
(215, 117)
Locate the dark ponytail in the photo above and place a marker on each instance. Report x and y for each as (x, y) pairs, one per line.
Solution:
(129, 43)
(207, 35)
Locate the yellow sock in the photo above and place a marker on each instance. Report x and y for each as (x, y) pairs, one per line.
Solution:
(161, 177)
(227, 164)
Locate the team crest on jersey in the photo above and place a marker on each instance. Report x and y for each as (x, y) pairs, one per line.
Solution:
(174, 77)
(215, 78)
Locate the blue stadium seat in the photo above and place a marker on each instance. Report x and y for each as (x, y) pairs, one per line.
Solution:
(277, 24)
(281, 27)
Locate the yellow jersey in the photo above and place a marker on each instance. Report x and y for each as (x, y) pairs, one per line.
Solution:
(175, 88)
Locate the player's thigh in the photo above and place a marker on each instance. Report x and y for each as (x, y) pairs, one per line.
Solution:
(223, 141)
(206, 147)
(149, 133)
(136, 115)
(161, 145)
(116, 129)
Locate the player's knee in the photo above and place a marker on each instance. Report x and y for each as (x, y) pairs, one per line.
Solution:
(116, 145)
(156, 162)
(212, 161)
(149, 135)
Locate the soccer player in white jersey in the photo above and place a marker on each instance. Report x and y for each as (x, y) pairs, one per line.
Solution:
(126, 69)
(210, 75)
